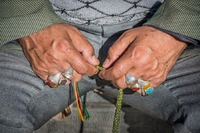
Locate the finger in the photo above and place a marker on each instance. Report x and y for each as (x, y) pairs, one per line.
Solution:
(84, 47)
(118, 48)
(76, 77)
(67, 54)
(54, 80)
(120, 82)
(120, 67)
(68, 73)
(71, 75)
(78, 62)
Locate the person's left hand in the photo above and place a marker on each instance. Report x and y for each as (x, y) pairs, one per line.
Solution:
(144, 52)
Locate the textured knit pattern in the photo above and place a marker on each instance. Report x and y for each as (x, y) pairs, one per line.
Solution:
(102, 12)
(179, 16)
(20, 18)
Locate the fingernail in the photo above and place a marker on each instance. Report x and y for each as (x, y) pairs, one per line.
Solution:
(106, 63)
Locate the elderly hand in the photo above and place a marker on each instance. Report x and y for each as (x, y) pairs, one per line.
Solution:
(58, 47)
(144, 52)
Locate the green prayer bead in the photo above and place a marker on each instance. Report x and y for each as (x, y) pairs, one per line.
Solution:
(100, 68)
(117, 115)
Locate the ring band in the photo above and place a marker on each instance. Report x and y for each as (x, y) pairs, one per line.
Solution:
(130, 80)
(53, 81)
(68, 73)
(138, 84)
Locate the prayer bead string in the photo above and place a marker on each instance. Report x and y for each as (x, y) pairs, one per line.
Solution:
(82, 110)
(117, 115)
(116, 121)
(83, 113)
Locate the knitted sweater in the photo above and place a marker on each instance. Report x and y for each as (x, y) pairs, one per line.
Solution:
(103, 12)
(20, 18)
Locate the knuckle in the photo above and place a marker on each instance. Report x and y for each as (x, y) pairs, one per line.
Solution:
(154, 66)
(65, 43)
(136, 53)
(83, 69)
(142, 55)
(61, 44)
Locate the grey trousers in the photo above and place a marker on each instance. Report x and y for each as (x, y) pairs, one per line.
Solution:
(26, 103)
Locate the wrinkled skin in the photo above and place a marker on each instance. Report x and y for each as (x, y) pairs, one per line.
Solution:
(145, 52)
(56, 48)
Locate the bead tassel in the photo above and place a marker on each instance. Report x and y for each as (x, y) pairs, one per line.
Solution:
(83, 113)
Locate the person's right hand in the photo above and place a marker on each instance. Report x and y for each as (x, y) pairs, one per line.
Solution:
(57, 48)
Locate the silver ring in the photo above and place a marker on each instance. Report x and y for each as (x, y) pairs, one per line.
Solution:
(55, 79)
(130, 80)
(144, 86)
(68, 73)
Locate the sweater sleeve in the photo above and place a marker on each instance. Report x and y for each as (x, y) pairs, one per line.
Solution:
(20, 18)
(181, 17)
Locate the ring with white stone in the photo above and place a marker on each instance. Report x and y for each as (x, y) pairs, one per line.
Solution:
(130, 80)
(68, 73)
(53, 81)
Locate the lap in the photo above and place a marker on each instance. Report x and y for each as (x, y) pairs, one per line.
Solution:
(26, 103)
(177, 100)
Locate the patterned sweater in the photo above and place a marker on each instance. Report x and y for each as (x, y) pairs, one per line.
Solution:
(20, 18)
(103, 12)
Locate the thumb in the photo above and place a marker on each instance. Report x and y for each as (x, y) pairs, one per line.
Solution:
(118, 48)
(86, 49)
